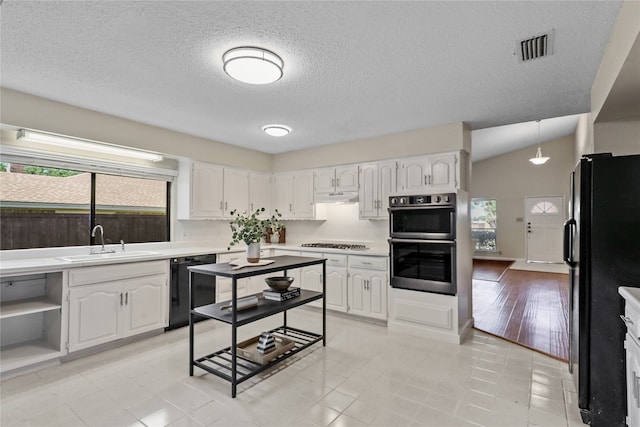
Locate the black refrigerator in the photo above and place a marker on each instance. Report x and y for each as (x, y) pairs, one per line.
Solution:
(602, 249)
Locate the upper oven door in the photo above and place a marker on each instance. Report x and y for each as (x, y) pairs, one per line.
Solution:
(438, 222)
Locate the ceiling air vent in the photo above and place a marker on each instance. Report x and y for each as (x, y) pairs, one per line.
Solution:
(535, 47)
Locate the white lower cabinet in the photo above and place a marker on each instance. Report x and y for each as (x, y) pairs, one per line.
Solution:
(113, 309)
(367, 293)
(337, 283)
(32, 319)
(633, 381)
(355, 284)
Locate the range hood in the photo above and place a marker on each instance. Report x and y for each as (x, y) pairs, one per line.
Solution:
(337, 197)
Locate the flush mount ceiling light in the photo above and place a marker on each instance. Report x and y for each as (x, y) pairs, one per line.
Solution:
(538, 159)
(276, 130)
(82, 144)
(253, 65)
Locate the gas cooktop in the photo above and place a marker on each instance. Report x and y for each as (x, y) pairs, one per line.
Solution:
(349, 246)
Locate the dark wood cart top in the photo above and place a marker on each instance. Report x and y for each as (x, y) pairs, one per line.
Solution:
(282, 262)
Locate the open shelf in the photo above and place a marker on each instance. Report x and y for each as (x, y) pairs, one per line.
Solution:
(264, 309)
(27, 306)
(220, 362)
(27, 353)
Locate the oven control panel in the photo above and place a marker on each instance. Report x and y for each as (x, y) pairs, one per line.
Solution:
(447, 199)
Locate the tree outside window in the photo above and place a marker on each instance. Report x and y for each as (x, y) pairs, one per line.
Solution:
(483, 224)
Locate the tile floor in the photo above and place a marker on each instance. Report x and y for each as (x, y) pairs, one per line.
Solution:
(365, 376)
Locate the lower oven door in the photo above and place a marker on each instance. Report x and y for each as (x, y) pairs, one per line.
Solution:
(424, 265)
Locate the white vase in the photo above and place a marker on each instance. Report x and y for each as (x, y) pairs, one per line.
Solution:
(253, 252)
(275, 237)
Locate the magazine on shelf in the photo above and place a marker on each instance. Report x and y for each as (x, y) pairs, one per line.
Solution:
(289, 293)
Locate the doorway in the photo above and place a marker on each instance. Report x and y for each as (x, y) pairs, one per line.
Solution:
(544, 217)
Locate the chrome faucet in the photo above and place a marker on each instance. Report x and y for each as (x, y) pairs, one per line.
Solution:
(93, 234)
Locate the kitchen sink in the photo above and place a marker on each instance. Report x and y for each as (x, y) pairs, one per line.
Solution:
(112, 255)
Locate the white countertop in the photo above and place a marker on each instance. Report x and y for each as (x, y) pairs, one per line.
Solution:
(48, 259)
(631, 296)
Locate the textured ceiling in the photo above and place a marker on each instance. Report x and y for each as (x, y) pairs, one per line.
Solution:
(352, 69)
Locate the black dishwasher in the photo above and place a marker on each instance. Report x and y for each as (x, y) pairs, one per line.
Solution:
(204, 288)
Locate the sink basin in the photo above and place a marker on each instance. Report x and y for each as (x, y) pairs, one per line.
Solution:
(113, 255)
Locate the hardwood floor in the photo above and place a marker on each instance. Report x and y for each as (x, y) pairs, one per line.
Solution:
(493, 270)
(526, 307)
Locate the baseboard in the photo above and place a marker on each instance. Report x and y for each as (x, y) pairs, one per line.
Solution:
(496, 258)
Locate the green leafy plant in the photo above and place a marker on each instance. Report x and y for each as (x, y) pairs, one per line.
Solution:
(249, 228)
(275, 223)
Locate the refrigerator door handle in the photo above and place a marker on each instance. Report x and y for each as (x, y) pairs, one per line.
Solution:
(569, 233)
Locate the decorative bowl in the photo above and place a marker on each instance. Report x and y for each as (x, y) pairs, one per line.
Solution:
(279, 283)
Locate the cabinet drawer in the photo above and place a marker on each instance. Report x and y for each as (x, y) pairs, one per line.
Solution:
(336, 260)
(368, 263)
(112, 272)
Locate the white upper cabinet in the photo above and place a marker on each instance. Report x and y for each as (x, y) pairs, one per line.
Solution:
(236, 191)
(438, 172)
(336, 180)
(302, 195)
(260, 193)
(377, 182)
(293, 195)
(200, 188)
(208, 191)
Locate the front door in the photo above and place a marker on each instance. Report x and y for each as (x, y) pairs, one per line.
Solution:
(544, 217)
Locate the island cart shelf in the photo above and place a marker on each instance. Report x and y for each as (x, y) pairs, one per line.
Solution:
(227, 363)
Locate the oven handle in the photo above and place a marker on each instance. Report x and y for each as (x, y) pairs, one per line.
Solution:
(447, 242)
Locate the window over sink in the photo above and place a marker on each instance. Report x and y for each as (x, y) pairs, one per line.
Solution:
(43, 206)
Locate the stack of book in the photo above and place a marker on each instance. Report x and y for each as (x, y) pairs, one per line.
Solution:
(284, 295)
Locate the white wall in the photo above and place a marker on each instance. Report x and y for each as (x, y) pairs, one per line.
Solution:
(583, 136)
(619, 137)
(510, 177)
(449, 137)
(342, 225)
(24, 110)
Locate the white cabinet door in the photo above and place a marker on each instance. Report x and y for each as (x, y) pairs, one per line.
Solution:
(377, 289)
(442, 172)
(413, 174)
(377, 182)
(346, 178)
(145, 307)
(94, 314)
(356, 293)
(325, 181)
(311, 279)
(336, 294)
(367, 294)
(206, 190)
(282, 194)
(260, 193)
(368, 192)
(236, 191)
(387, 179)
(302, 193)
(633, 381)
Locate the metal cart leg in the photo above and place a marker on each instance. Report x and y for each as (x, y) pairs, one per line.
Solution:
(324, 303)
(190, 325)
(234, 313)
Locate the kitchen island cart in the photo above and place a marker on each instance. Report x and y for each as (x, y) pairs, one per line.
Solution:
(228, 363)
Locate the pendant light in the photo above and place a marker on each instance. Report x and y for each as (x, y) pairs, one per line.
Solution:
(538, 159)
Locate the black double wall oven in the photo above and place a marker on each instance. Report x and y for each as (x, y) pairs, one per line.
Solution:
(423, 242)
